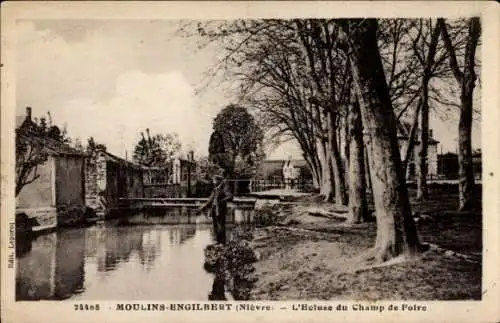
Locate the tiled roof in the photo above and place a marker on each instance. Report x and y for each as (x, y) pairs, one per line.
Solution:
(110, 157)
(53, 146)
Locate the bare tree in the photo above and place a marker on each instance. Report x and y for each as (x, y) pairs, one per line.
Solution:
(427, 61)
(34, 139)
(30, 154)
(466, 79)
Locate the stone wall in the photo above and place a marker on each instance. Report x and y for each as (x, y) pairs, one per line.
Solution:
(95, 182)
(56, 198)
(39, 193)
(107, 180)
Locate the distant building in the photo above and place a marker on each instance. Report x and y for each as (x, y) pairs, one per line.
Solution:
(56, 196)
(270, 170)
(448, 165)
(286, 171)
(282, 173)
(184, 174)
(176, 179)
(432, 152)
(291, 174)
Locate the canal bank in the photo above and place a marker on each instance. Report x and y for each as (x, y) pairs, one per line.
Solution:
(308, 255)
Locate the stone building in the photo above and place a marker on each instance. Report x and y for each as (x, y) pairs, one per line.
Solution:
(109, 178)
(56, 195)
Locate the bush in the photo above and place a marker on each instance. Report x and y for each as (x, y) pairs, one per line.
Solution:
(266, 216)
(214, 257)
(233, 261)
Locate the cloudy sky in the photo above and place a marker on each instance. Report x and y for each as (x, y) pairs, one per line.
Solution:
(110, 79)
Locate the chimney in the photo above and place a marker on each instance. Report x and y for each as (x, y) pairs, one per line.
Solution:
(191, 155)
(28, 113)
(430, 133)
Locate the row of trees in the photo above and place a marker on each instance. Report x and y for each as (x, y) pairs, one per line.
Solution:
(348, 84)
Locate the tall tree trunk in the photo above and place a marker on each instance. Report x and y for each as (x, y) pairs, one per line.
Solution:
(315, 179)
(358, 207)
(347, 144)
(367, 170)
(422, 191)
(314, 171)
(326, 188)
(424, 144)
(467, 81)
(396, 231)
(336, 162)
(465, 170)
(346, 135)
(410, 144)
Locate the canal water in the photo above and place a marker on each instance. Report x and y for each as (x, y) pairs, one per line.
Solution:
(157, 255)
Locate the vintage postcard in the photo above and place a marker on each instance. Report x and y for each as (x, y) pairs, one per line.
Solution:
(250, 161)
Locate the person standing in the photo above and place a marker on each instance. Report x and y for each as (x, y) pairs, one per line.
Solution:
(217, 202)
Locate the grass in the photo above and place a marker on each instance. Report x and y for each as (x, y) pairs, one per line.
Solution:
(307, 260)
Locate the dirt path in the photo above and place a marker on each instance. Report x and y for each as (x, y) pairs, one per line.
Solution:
(304, 257)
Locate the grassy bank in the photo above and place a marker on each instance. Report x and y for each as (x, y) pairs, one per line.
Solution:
(301, 256)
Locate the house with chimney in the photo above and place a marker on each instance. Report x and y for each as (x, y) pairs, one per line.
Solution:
(54, 194)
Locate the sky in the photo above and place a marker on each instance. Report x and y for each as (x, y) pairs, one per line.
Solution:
(111, 79)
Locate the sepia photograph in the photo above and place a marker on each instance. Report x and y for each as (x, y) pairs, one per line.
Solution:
(249, 159)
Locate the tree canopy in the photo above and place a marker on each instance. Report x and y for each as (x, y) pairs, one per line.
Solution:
(157, 150)
(236, 141)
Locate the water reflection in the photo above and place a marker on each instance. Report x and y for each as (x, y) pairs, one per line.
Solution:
(218, 288)
(53, 268)
(182, 215)
(139, 260)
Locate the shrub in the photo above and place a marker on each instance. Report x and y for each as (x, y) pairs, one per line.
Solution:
(266, 216)
(233, 261)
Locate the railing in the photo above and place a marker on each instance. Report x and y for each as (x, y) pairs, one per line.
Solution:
(176, 202)
(440, 178)
(259, 185)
